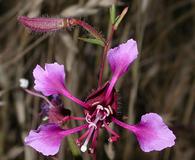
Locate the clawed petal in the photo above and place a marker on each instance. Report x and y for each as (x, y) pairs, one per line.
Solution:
(120, 59)
(47, 138)
(51, 80)
(152, 133)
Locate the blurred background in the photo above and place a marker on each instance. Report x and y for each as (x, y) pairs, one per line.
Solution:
(162, 80)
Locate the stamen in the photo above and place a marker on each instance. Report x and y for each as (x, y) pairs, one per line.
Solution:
(88, 118)
(94, 141)
(108, 111)
(109, 107)
(105, 115)
(99, 107)
(115, 136)
(95, 103)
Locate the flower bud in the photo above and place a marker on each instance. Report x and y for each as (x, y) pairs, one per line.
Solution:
(43, 24)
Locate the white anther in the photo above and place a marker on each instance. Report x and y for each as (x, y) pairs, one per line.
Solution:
(106, 115)
(88, 118)
(24, 83)
(95, 103)
(99, 107)
(91, 124)
(83, 148)
(107, 111)
(109, 107)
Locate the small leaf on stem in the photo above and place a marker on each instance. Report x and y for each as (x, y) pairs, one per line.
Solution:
(120, 18)
(93, 41)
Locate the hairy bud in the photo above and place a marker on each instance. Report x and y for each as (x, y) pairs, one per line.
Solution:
(43, 24)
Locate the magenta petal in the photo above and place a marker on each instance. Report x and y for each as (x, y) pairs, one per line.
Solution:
(120, 59)
(47, 138)
(56, 71)
(153, 134)
(51, 80)
(122, 56)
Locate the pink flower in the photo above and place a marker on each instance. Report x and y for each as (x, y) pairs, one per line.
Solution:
(100, 109)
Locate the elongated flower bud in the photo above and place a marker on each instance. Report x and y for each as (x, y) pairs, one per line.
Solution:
(43, 24)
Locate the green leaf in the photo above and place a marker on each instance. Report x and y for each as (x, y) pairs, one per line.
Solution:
(112, 13)
(93, 41)
(120, 18)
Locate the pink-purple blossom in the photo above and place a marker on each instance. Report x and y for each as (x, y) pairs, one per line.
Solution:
(100, 110)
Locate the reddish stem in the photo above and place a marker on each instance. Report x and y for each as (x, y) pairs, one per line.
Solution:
(106, 48)
(86, 26)
(39, 95)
